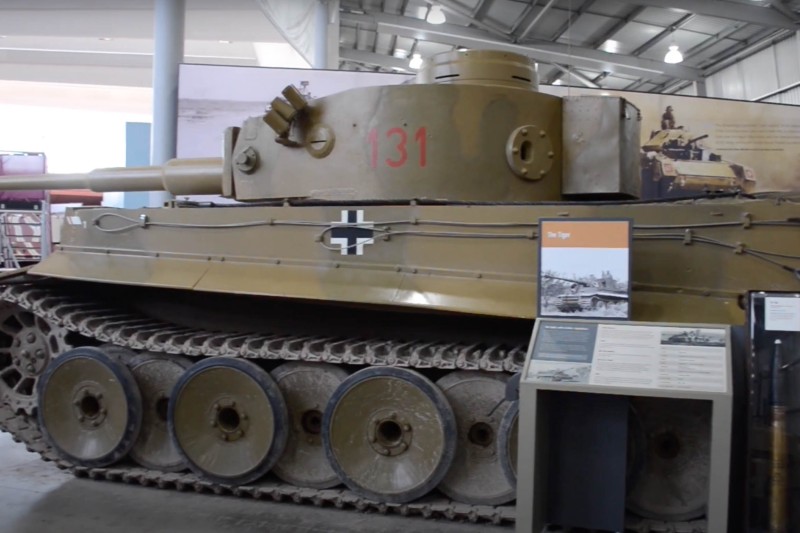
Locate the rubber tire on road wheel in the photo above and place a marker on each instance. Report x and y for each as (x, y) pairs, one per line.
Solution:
(229, 420)
(390, 434)
(88, 399)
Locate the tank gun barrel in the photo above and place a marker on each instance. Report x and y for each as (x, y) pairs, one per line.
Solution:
(695, 139)
(582, 283)
(177, 176)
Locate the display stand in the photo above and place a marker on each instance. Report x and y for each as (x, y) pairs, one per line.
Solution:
(577, 382)
(773, 503)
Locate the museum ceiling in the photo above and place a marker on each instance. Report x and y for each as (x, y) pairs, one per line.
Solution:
(614, 44)
(611, 44)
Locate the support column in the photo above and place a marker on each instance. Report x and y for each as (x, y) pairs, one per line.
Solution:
(167, 55)
(700, 88)
(320, 35)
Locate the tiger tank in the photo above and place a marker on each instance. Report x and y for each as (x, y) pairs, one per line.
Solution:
(346, 332)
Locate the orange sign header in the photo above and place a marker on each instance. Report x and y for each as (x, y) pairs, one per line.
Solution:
(585, 233)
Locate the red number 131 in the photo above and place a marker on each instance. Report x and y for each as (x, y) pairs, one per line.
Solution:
(398, 139)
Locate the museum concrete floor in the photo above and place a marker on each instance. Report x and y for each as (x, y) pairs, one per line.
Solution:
(36, 497)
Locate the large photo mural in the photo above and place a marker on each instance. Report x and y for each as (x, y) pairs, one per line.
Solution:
(695, 146)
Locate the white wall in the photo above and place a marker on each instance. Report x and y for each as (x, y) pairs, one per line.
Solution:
(772, 69)
(78, 127)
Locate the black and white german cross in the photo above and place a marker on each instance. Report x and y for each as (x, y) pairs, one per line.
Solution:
(352, 233)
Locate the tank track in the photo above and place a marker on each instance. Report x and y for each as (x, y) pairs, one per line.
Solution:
(135, 331)
(96, 320)
(105, 324)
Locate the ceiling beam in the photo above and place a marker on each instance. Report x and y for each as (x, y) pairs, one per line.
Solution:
(711, 41)
(636, 85)
(621, 23)
(554, 76)
(763, 16)
(577, 75)
(743, 50)
(547, 52)
(781, 7)
(482, 9)
(373, 59)
(667, 32)
(530, 24)
(608, 34)
(571, 18)
(456, 8)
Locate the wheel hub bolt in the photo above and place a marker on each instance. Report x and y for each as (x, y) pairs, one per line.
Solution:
(40, 354)
(31, 336)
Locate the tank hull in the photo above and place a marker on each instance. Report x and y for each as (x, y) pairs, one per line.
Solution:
(471, 259)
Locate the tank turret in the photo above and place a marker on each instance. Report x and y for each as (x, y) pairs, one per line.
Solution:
(472, 128)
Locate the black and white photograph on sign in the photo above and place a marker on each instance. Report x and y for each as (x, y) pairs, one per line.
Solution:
(555, 372)
(570, 288)
(693, 337)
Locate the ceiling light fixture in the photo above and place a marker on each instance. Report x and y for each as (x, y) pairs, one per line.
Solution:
(673, 55)
(416, 61)
(436, 15)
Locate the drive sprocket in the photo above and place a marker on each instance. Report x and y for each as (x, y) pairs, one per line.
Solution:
(27, 345)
